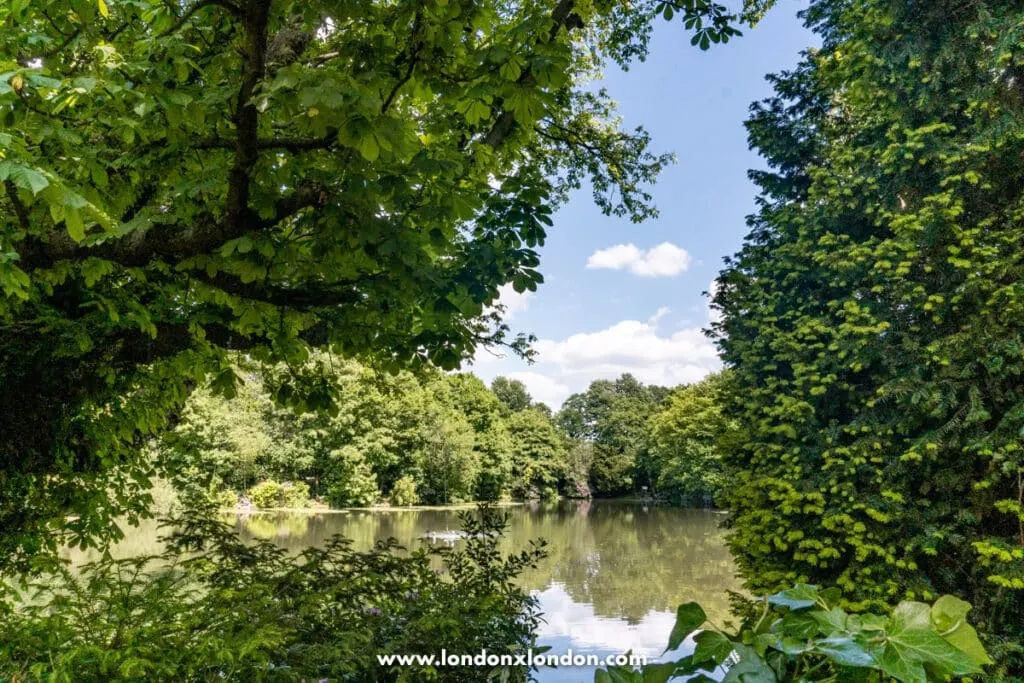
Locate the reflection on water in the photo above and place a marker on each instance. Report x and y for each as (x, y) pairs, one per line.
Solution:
(613, 578)
(614, 575)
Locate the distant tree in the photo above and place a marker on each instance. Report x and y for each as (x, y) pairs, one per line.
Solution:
(483, 410)
(512, 393)
(538, 455)
(612, 415)
(688, 437)
(447, 462)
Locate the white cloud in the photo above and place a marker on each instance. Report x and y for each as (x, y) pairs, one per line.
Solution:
(569, 365)
(664, 260)
(543, 388)
(631, 346)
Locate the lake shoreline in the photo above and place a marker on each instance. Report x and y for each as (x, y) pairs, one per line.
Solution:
(462, 506)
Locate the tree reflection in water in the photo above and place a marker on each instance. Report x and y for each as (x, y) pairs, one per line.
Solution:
(624, 559)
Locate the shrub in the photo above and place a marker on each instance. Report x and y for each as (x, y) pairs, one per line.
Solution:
(802, 634)
(404, 492)
(295, 494)
(247, 611)
(224, 498)
(267, 494)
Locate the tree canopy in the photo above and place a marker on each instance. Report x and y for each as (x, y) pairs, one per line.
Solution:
(873, 316)
(183, 180)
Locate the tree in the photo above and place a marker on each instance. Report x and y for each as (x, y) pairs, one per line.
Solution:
(482, 408)
(538, 455)
(221, 443)
(688, 437)
(872, 318)
(512, 393)
(613, 416)
(447, 461)
(184, 180)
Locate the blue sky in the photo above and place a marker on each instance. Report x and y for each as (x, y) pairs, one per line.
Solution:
(621, 297)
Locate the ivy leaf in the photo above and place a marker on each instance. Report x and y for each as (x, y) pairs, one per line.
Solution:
(750, 669)
(800, 596)
(711, 646)
(658, 673)
(948, 611)
(846, 651)
(909, 645)
(949, 615)
(689, 618)
(831, 620)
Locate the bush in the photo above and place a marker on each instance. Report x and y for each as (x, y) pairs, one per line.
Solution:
(248, 611)
(224, 499)
(267, 494)
(802, 634)
(295, 494)
(404, 492)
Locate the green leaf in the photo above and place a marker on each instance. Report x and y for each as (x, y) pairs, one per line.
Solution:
(689, 618)
(74, 224)
(798, 625)
(965, 639)
(658, 673)
(23, 176)
(711, 646)
(846, 651)
(901, 666)
(750, 669)
(948, 612)
(831, 620)
(800, 596)
(103, 9)
(909, 644)
(369, 147)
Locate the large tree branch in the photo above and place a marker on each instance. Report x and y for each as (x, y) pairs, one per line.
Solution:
(285, 143)
(305, 297)
(20, 210)
(562, 17)
(169, 243)
(256, 16)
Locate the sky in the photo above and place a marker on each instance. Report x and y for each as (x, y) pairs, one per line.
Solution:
(622, 297)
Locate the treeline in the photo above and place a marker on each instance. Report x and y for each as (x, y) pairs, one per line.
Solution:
(437, 438)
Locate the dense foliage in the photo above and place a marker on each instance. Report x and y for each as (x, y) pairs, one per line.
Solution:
(631, 439)
(438, 438)
(214, 608)
(872, 319)
(186, 179)
(802, 634)
(687, 439)
(429, 438)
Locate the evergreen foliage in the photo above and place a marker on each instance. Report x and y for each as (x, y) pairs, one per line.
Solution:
(872, 320)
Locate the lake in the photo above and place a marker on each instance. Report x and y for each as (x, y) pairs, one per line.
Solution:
(615, 573)
(614, 576)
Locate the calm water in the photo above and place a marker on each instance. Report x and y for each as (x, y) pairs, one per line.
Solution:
(611, 583)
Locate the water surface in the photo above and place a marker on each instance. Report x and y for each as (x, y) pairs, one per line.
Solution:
(613, 578)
